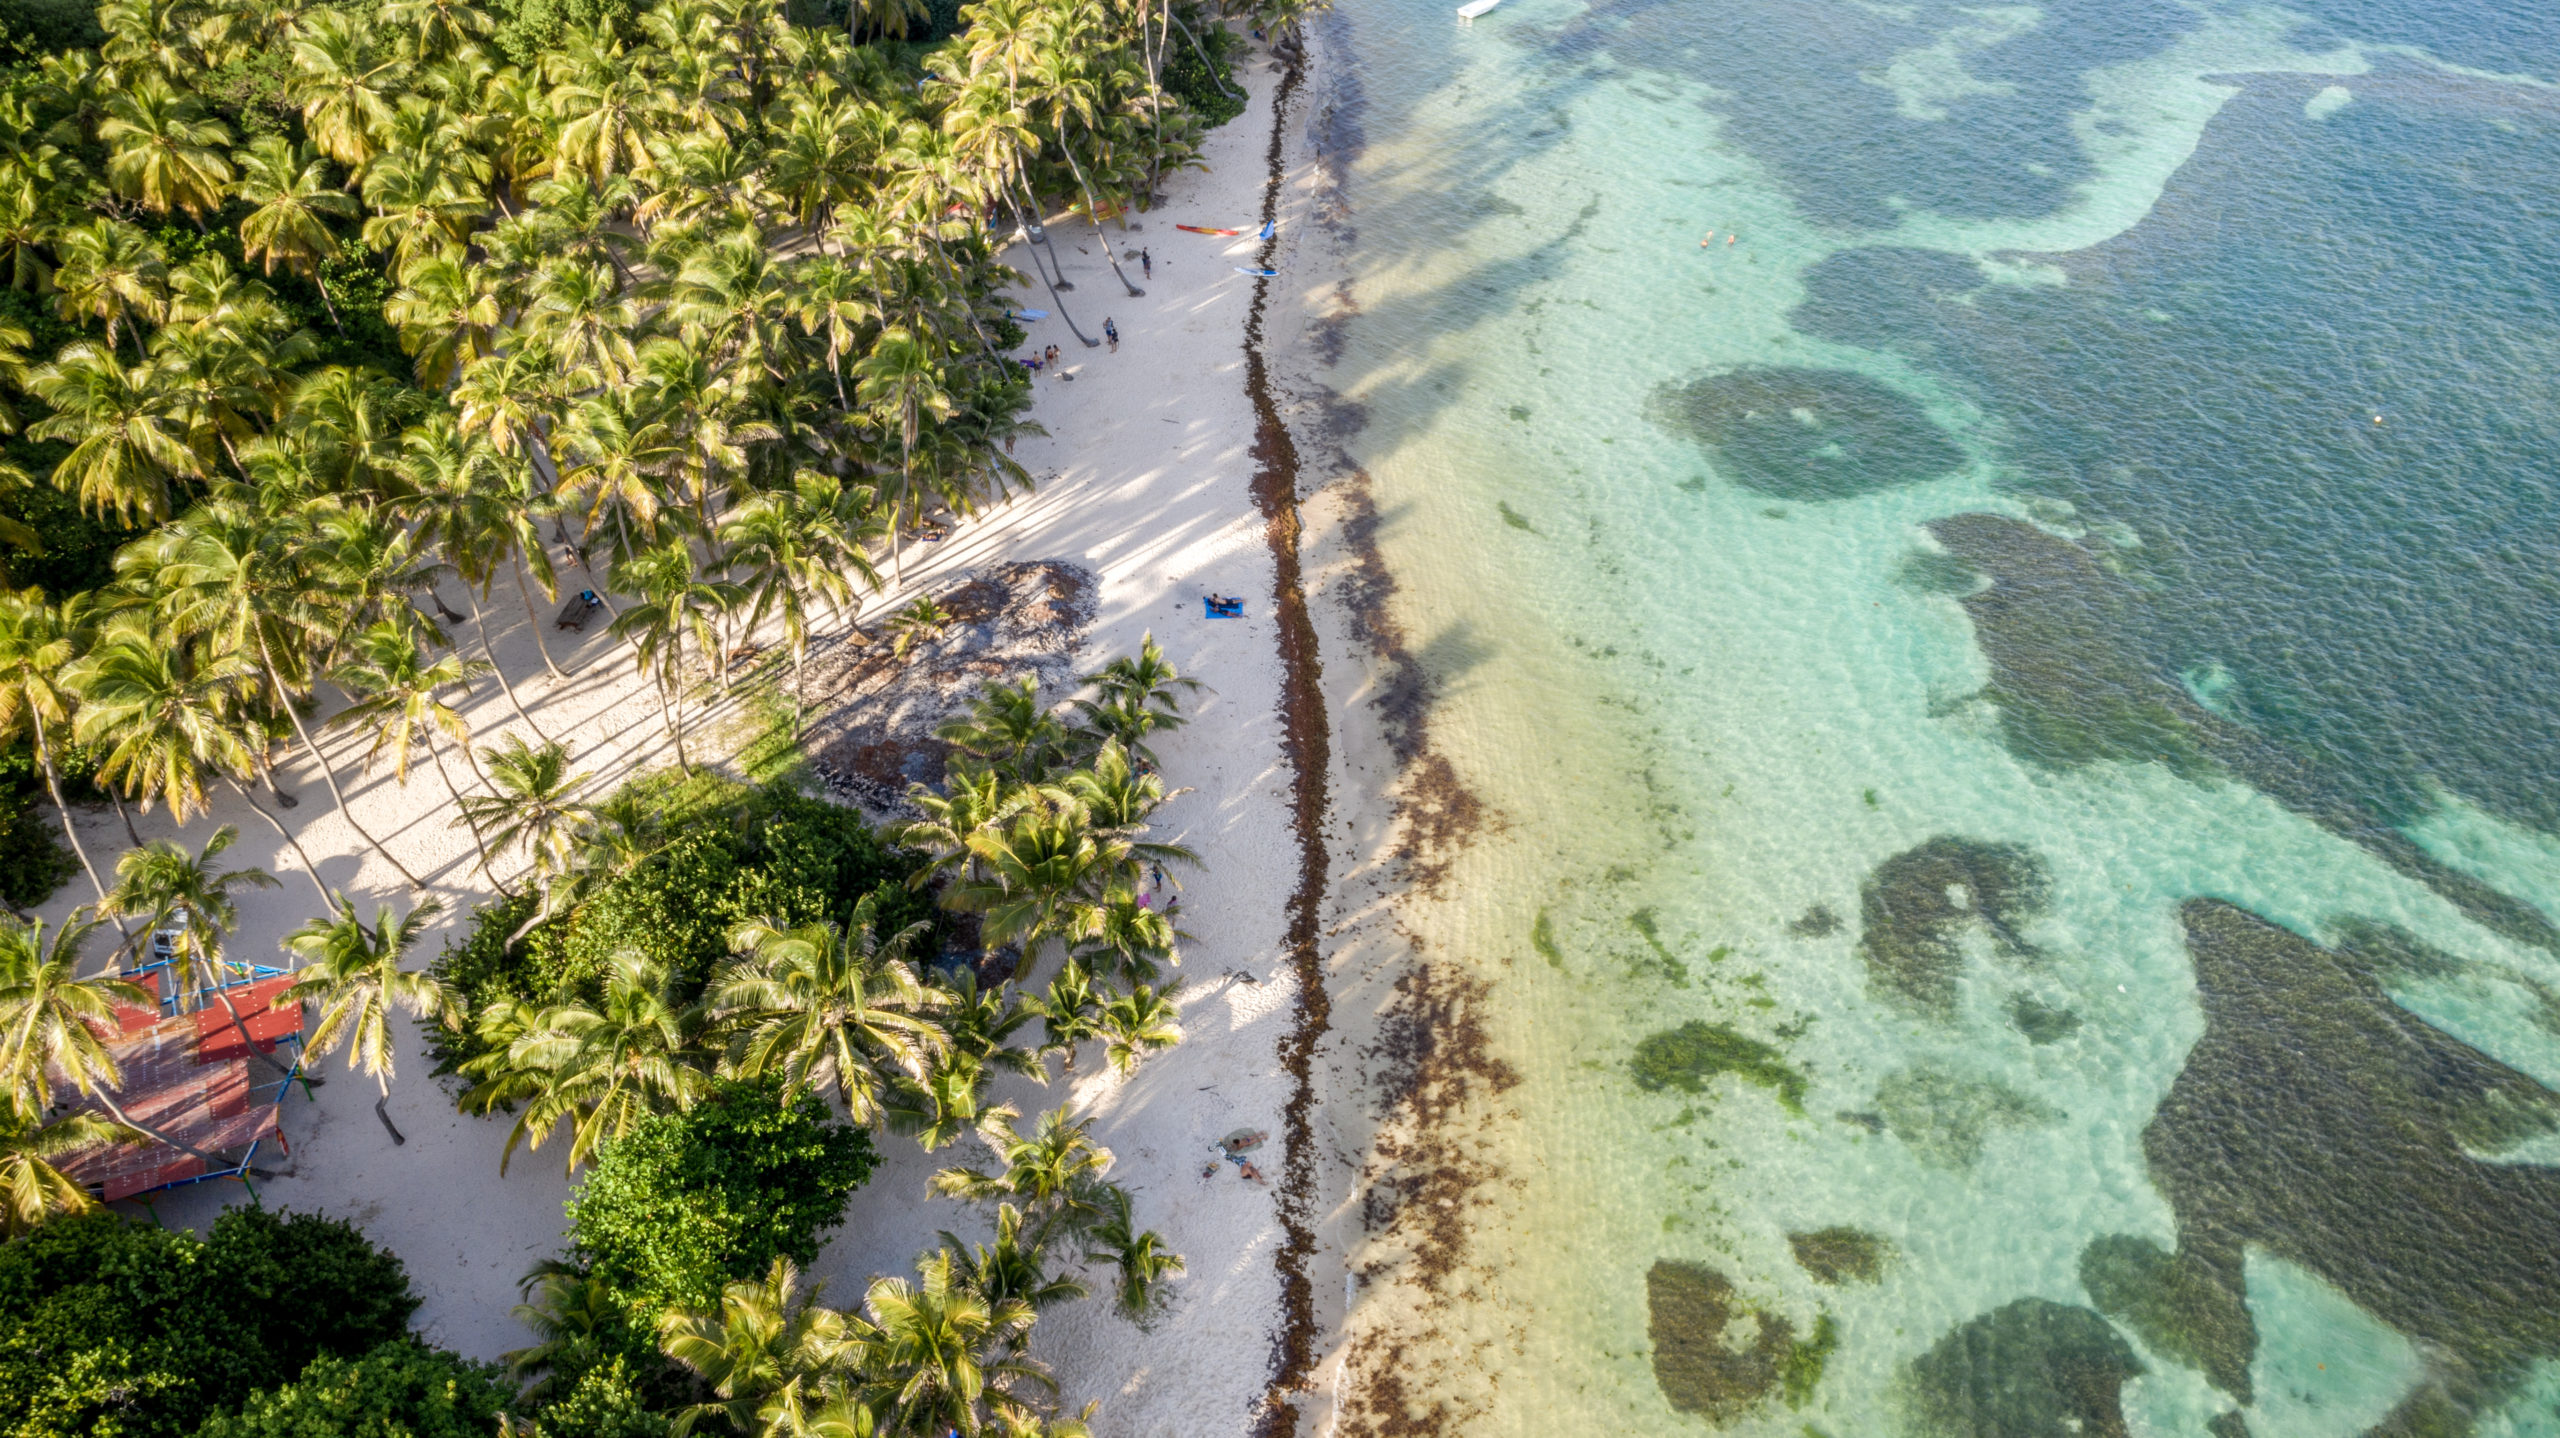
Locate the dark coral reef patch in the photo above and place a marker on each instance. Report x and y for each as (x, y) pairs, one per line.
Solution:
(1808, 434)
(2029, 1369)
(1916, 907)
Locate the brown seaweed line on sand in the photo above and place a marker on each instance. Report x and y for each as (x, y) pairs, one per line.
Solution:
(1307, 741)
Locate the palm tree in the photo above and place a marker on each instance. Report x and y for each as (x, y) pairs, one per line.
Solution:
(467, 506)
(827, 1010)
(677, 604)
(533, 803)
(1140, 1255)
(288, 187)
(1070, 1011)
(1055, 1172)
(795, 546)
(165, 716)
(1144, 684)
(1008, 727)
(163, 153)
(600, 1069)
(972, 799)
(52, 1022)
(31, 1188)
(570, 1313)
(1035, 875)
(241, 576)
(446, 315)
(1140, 1022)
(183, 897)
(932, 1363)
(110, 272)
(899, 381)
(768, 1346)
(128, 439)
(36, 643)
(1015, 1265)
(353, 972)
(341, 81)
(399, 692)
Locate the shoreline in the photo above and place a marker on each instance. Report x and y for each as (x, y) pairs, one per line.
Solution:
(1156, 476)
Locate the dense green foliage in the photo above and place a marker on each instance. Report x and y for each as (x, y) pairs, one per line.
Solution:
(403, 1389)
(690, 1202)
(114, 1327)
(1202, 77)
(734, 854)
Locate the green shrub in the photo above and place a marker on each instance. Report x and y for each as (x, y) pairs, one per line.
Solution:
(604, 1402)
(688, 1202)
(1197, 84)
(113, 1327)
(403, 1389)
(771, 853)
(30, 29)
(33, 859)
(529, 29)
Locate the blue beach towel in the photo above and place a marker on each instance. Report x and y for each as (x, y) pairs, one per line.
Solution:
(1265, 274)
(1213, 611)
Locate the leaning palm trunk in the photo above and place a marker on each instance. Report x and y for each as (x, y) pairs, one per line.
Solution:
(477, 842)
(116, 1112)
(1093, 213)
(1205, 62)
(532, 617)
(1089, 341)
(328, 900)
(251, 1045)
(284, 701)
(53, 786)
(481, 618)
(951, 277)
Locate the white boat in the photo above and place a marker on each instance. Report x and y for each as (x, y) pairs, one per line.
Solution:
(1473, 8)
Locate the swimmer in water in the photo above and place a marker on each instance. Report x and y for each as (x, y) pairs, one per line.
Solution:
(1729, 239)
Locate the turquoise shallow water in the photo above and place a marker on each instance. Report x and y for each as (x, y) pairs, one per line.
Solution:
(2019, 693)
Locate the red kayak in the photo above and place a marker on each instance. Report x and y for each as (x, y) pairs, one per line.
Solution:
(1204, 230)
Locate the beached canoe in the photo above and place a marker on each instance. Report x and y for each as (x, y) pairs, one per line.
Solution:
(1205, 230)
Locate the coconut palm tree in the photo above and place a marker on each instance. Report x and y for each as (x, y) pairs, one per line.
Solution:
(768, 1346)
(164, 153)
(240, 576)
(678, 605)
(352, 971)
(184, 898)
(599, 1069)
(127, 434)
(1055, 1171)
(1015, 1265)
(795, 546)
(53, 1022)
(1139, 1023)
(1008, 728)
(901, 382)
(1144, 683)
(37, 641)
(343, 80)
(1070, 1011)
(1123, 936)
(570, 1313)
(1140, 1256)
(110, 272)
(164, 714)
(287, 186)
(1033, 876)
(828, 1008)
(935, 1362)
(32, 1190)
(533, 802)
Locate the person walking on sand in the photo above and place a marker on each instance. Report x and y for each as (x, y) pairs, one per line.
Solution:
(1146, 262)
(1052, 355)
(1111, 332)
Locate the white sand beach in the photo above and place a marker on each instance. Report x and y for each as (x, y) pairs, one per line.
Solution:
(1145, 480)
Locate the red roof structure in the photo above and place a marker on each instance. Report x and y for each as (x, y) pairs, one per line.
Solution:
(188, 1077)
